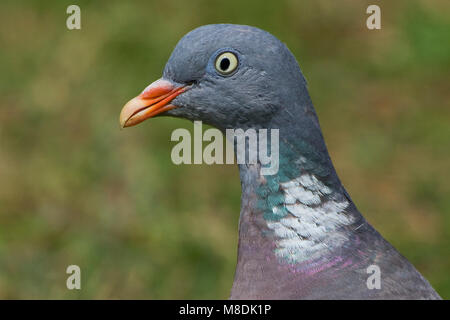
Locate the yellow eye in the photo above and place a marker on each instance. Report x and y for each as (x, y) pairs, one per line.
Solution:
(226, 63)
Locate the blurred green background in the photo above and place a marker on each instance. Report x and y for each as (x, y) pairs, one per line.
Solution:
(75, 189)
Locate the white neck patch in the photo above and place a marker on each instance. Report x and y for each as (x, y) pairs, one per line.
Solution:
(308, 227)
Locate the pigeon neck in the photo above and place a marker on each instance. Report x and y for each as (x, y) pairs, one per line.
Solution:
(296, 218)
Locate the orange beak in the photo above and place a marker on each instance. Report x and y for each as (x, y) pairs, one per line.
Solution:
(152, 101)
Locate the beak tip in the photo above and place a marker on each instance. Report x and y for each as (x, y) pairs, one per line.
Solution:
(122, 123)
(124, 117)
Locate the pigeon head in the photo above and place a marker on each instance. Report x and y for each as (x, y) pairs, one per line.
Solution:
(228, 76)
(300, 235)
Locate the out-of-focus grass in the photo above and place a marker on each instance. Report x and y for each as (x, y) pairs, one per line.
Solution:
(74, 189)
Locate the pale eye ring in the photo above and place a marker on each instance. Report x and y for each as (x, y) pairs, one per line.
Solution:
(226, 63)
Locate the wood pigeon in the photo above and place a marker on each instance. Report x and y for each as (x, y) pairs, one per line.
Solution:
(300, 234)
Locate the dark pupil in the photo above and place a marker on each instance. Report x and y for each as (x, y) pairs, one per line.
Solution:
(224, 64)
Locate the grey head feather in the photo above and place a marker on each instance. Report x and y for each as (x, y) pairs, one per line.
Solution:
(251, 96)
